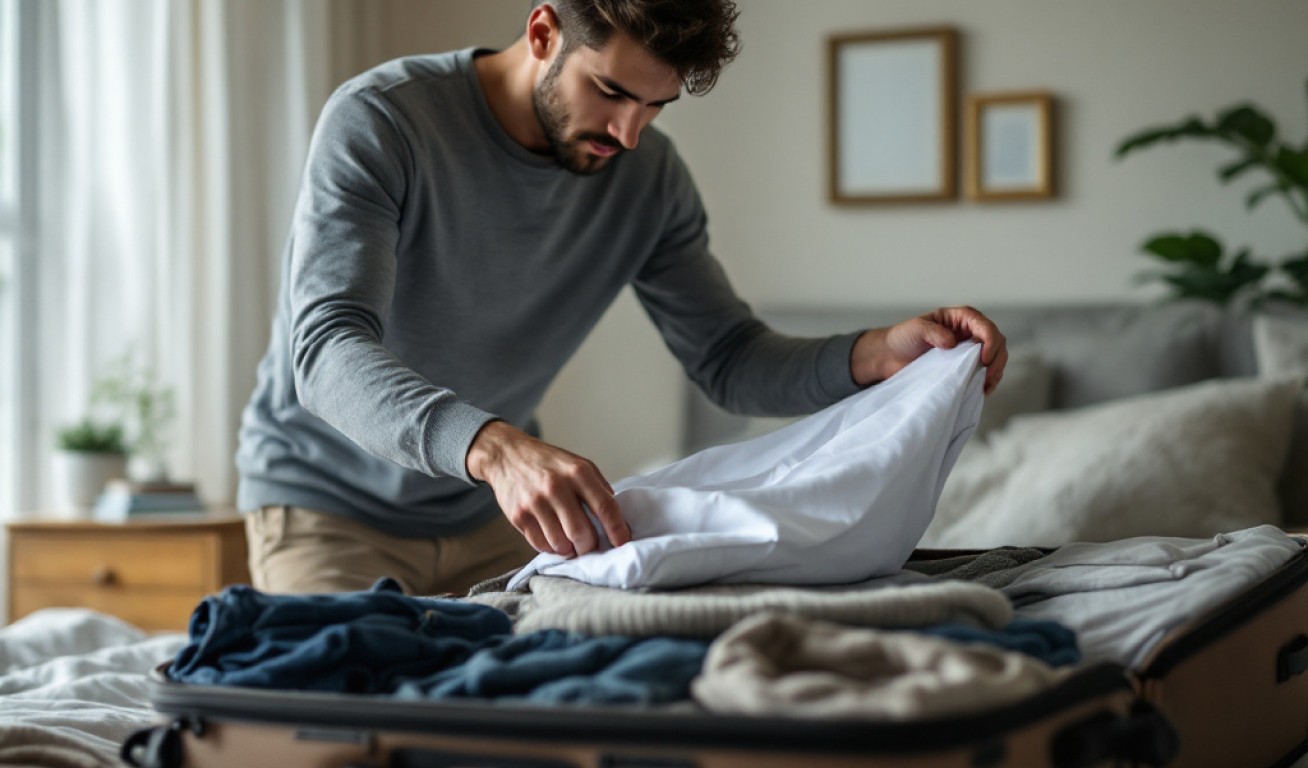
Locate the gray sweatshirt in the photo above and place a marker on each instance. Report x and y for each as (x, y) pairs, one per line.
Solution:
(438, 275)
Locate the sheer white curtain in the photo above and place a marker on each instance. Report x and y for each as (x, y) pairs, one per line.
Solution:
(173, 137)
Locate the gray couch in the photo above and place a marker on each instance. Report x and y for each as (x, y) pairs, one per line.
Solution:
(1066, 357)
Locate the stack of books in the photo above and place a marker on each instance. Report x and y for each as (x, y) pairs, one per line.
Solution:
(123, 498)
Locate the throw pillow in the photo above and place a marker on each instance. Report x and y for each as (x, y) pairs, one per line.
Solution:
(1193, 461)
(1281, 348)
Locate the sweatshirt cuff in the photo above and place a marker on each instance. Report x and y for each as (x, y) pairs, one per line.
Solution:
(450, 433)
(834, 370)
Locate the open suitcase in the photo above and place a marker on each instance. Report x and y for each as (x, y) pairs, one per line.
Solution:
(1229, 689)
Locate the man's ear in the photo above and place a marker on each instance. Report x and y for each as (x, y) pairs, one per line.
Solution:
(543, 38)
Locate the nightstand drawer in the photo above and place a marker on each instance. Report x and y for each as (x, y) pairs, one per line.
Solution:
(152, 571)
(174, 562)
(149, 609)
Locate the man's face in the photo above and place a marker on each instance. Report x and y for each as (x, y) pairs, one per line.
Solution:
(593, 104)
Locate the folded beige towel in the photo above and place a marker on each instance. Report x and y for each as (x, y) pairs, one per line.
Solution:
(787, 665)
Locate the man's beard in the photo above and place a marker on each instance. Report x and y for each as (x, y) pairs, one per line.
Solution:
(553, 115)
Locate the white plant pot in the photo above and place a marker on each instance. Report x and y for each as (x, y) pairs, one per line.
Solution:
(80, 476)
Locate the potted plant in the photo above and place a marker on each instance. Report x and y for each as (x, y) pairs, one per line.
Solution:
(87, 455)
(126, 436)
(1198, 264)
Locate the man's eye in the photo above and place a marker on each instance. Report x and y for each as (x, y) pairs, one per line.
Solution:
(609, 96)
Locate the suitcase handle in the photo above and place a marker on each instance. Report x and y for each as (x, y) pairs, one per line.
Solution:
(159, 746)
(410, 757)
(1143, 737)
(1292, 659)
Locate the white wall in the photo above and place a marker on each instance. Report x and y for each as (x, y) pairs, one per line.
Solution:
(757, 146)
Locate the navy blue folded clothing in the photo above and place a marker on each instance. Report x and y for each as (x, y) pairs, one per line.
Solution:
(555, 667)
(383, 642)
(1048, 641)
(355, 642)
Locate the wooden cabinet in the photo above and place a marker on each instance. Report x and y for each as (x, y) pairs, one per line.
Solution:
(151, 572)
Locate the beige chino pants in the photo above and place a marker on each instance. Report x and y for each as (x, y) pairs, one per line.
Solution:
(294, 550)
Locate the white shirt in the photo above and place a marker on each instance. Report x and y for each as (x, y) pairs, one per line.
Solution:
(841, 496)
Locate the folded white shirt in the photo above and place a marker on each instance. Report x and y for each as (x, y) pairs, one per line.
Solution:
(839, 497)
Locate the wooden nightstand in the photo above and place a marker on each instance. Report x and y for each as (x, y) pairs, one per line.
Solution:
(149, 572)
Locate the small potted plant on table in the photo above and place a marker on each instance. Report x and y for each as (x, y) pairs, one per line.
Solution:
(87, 455)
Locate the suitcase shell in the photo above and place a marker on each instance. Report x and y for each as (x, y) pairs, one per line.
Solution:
(1229, 689)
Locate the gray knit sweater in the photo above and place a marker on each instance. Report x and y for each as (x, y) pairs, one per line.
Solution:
(438, 275)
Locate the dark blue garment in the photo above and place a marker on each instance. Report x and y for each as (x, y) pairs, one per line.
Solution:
(355, 642)
(1048, 641)
(555, 667)
(383, 642)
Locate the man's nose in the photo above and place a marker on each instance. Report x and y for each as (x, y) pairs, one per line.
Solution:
(626, 125)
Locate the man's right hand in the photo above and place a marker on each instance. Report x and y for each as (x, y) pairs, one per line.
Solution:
(541, 489)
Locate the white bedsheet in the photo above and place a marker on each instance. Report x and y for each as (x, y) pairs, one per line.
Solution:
(839, 497)
(73, 687)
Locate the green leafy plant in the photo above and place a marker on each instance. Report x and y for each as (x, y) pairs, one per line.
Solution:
(1199, 265)
(89, 437)
(1203, 269)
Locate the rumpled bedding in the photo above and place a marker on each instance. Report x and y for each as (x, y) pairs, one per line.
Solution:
(73, 687)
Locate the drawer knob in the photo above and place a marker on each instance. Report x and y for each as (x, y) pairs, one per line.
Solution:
(104, 576)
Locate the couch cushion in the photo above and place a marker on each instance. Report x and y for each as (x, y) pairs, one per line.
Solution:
(1132, 351)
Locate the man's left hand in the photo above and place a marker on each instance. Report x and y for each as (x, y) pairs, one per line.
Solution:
(881, 352)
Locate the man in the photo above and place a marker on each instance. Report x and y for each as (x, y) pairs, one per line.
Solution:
(464, 221)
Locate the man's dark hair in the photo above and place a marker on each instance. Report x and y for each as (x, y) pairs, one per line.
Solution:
(695, 37)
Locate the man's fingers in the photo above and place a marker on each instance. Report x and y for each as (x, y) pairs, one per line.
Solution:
(981, 328)
(995, 371)
(531, 532)
(971, 323)
(598, 495)
(605, 507)
(940, 337)
(548, 520)
(576, 525)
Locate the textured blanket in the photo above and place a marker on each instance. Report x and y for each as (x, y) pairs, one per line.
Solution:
(903, 601)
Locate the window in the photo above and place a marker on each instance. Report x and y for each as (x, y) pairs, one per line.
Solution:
(8, 239)
(17, 300)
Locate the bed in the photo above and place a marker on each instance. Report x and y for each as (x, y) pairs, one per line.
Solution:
(74, 683)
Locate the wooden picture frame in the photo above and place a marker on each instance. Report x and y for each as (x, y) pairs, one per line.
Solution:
(1010, 146)
(892, 116)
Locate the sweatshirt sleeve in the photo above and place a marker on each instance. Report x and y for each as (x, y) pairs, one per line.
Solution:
(739, 363)
(342, 278)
